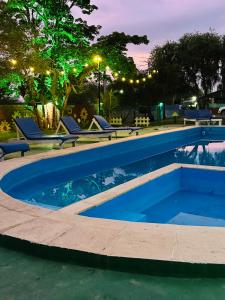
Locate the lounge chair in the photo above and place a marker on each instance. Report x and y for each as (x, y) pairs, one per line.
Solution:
(70, 125)
(199, 116)
(11, 147)
(102, 124)
(28, 129)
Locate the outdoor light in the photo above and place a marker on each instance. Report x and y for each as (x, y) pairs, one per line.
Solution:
(121, 91)
(48, 72)
(62, 72)
(154, 71)
(97, 59)
(137, 81)
(149, 76)
(123, 79)
(13, 62)
(74, 69)
(86, 65)
(31, 69)
(116, 74)
(131, 81)
(143, 79)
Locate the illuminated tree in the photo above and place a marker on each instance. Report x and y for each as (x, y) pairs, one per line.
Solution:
(49, 51)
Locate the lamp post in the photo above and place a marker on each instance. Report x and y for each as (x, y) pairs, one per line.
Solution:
(97, 59)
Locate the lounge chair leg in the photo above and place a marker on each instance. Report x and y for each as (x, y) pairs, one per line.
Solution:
(74, 143)
(22, 154)
(110, 138)
(137, 133)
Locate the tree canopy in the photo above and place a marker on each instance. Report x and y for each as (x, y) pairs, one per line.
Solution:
(192, 65)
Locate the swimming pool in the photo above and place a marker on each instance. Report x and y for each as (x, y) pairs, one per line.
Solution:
(60, 181)
(182, 196)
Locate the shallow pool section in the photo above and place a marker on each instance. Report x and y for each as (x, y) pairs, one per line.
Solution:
(185, 196)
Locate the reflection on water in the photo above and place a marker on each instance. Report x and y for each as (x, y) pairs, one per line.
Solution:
(204, 153)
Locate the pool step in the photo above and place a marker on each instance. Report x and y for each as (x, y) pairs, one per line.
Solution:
(195, 220)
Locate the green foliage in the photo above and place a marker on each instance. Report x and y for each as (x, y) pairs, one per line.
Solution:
(113, 49)
(189, 66)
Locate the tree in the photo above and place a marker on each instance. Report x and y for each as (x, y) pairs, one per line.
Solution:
(200, 55)
(190, 66)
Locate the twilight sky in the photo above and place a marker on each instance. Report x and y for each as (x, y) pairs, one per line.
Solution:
(160, 20)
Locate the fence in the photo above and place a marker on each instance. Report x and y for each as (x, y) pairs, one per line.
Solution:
(116, 121)
(142, 121)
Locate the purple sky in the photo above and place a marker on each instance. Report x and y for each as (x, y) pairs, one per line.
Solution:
(160, 20)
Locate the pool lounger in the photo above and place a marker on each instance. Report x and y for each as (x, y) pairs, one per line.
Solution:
(199, 116)
(70, 125)
(11, 147)
(102, 124)
(28, 130)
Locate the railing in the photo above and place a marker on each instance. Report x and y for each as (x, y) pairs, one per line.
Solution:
(142, 121)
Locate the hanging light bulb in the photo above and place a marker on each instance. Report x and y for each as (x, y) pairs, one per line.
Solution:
(123, 79)
(131, 81)
(13, 62)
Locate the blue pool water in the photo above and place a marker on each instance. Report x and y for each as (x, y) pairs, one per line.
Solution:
(72, 190)
(60, 181)
(212, 153)
(185, 196)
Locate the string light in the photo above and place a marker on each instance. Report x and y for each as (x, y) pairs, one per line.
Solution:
(31, 69)
(62, 72)
(48, 72)
(131, 81)
(86, 65)
(143, 79)
(97, 59)
(149, 76)
(137, 81)
(123, 79)
(74, 70)
(13, 62)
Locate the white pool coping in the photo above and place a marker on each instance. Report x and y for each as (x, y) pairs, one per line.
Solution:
(66, 229)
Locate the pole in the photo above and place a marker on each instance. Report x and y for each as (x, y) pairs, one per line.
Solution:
(99, 89)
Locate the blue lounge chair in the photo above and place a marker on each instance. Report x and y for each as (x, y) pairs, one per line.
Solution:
(199, 116)
(11, 147)
(70, 125)
(102, 124)
(28, 129)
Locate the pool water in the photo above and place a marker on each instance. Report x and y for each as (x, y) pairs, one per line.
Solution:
(72, 190)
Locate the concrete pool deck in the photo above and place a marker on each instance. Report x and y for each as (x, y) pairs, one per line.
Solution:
(111, 238)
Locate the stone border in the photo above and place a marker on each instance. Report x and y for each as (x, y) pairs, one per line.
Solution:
(65, 229)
